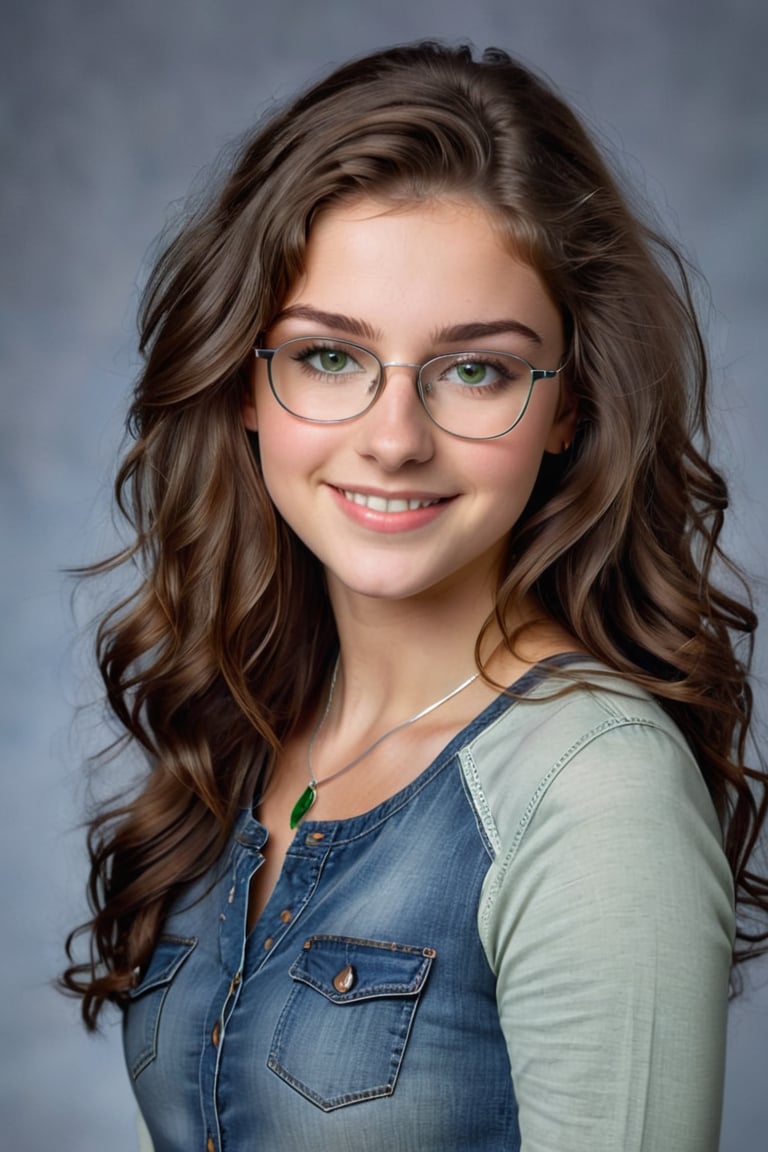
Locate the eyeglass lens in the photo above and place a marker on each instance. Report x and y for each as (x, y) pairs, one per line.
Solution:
(472, 394)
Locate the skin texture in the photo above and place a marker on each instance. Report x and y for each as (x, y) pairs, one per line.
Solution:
(404, 275)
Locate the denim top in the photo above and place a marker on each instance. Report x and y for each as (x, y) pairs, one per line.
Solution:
(527, 947)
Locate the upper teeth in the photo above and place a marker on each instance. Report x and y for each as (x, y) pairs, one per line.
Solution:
(380, 504)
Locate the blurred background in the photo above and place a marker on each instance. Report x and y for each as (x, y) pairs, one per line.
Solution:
(108, 113)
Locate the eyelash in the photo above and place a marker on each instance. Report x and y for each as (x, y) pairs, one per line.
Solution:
(353, 372)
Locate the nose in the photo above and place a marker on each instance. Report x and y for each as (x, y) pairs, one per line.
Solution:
(397, 429)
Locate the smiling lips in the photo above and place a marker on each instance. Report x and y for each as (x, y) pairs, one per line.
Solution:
(384, 504)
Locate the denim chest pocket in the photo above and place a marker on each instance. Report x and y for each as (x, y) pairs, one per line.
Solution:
(145, 1002)
(342, 1034)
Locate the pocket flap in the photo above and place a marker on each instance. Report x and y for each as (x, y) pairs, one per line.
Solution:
(345, 969)
(168, 956)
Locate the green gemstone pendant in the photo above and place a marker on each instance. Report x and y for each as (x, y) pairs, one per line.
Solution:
(303, 804)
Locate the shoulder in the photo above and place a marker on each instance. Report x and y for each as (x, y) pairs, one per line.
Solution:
(591, 745)
(596, 786)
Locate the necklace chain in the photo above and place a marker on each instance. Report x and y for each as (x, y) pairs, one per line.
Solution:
(307, 798)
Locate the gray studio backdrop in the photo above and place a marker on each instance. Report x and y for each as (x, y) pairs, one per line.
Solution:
(109, 111)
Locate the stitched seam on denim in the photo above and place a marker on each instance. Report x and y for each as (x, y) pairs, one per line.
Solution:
(167, 973)
(481, 806)
(333, 1102)
(407, 1009)
(366, 942)
(376, 989)
(479, 801)
(392, 806)
(213, 1102)
(149, 1051)
(160, 983)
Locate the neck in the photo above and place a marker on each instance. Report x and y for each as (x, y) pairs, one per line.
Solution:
(397, 656)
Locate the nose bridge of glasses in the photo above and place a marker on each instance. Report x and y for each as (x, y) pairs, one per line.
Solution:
(386, 372)
(399, 364)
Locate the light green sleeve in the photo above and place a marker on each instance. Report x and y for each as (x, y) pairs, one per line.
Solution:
(608, 920)
(145, 1140)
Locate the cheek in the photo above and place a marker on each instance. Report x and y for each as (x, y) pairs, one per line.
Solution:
(511, 464)
(507, 477)
(525, 445)
(278, 464)
(290, 452)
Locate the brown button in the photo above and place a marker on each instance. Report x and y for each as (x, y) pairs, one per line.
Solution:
(343, 981)
(286, 915)
(210, 1146)
(216, 1034)
(315, 837)
(268, 943)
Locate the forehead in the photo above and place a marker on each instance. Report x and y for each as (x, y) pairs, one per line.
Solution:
(391, 231)
(429, 264)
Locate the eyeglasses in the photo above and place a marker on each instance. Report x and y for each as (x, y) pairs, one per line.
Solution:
(475, 395)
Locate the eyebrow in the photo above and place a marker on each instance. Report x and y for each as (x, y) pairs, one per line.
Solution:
(453, 334)
(475, 330)
(349, 324)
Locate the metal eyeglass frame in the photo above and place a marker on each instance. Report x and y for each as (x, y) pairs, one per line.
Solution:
(268, 355)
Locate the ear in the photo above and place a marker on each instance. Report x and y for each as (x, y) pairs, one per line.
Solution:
(249, 415)
(248, 407)
(563, 428)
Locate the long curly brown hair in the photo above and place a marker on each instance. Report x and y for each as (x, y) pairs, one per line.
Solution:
(225, 643)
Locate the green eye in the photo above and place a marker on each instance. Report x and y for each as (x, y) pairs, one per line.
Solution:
(332, 360)
(322, 361)
(472, 372)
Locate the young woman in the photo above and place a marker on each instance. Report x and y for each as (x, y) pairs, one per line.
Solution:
(447, 802)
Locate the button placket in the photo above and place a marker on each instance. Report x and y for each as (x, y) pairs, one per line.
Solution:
(285, 917)
(243, 955)
(233, 908)
(293, 891)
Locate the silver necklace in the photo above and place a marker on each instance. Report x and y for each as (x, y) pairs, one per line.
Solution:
(309, 795)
